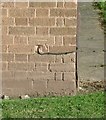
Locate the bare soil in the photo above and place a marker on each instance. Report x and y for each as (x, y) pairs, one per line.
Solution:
(91, 86)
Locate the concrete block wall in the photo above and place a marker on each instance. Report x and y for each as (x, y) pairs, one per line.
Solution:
(32, 27)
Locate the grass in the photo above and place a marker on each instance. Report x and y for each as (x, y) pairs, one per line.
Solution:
(80, 106)
(102, 6)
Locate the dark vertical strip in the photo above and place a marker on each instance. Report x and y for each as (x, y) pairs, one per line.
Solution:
(105, 67)
(77, 36)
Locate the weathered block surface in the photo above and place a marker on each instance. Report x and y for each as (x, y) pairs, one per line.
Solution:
(27, 25)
